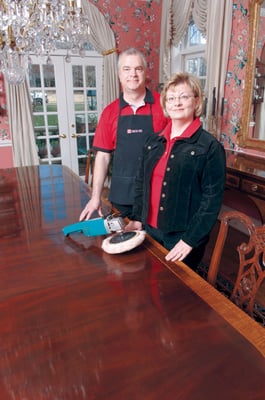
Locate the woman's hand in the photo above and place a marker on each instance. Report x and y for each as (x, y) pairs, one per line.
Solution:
(179, 252)
(134, 226)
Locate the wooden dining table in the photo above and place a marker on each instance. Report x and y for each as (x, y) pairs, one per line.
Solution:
(79, 323)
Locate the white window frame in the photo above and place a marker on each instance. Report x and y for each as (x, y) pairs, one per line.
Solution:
(183, 52)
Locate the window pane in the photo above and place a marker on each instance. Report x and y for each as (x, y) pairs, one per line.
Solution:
(92, 122)
(80, 123)
(34, 75)
(37, 100)
(82, 166)
(90, 76)
(195, 36)
(192, 66)
(42, 148)
(48, 75)
(77, 76)
(55, 147)
(53, 125)
(51, 100)
(38, 121)
(79, 102)
(91, 100)
(81, 145)
(202, 66)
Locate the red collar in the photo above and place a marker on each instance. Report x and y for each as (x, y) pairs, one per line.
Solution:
(189, 131)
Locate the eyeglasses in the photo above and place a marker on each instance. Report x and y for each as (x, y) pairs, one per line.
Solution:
(183, 98)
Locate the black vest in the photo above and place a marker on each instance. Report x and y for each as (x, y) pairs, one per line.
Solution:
(132, 133)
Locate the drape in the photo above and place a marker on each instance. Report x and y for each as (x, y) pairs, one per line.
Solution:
(165, 40)
(199, 15)
(21, 125)
(213, 18)
(219, 26)
(176, 16)
(174, 22)
(103, 40)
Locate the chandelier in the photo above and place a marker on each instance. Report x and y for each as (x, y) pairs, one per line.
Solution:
(39, 27)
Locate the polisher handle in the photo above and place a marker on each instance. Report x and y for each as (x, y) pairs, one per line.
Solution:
(91, 227)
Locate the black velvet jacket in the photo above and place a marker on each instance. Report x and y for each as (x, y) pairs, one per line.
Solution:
(192, 189)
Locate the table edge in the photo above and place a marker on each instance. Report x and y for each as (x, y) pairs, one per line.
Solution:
(237, 318)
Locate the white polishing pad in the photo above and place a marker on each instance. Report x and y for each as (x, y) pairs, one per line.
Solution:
(121, 242)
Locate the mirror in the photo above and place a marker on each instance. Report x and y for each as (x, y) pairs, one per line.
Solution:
(252, 126)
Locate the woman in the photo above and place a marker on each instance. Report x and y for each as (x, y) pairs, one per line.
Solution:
(180, 182)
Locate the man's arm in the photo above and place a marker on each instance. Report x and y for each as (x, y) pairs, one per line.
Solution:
(101, 166)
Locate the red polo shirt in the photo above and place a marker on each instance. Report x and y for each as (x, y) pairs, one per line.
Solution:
(159, 170)
(106, 132)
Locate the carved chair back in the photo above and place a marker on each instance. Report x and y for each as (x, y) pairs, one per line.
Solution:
(251, 272)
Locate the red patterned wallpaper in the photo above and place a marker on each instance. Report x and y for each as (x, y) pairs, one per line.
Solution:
(234, 90)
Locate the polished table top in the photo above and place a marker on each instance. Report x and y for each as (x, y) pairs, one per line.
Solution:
(78, 323)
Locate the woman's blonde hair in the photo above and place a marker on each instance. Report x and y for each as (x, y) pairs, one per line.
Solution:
(192, 81)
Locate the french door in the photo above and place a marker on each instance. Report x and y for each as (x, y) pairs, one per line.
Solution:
(66, 96)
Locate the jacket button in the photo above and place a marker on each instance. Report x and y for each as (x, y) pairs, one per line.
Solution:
(161, 208)
(149, 147)
(163, 195)
(168, 169)
(172, 156)
(164, 183)
(192, 152)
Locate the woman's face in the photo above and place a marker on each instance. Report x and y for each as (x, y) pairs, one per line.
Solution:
(181, 103)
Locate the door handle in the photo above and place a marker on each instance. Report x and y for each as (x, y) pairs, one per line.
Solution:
(62, 136)
(75, 135)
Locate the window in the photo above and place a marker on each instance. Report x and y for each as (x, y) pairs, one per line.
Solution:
(189, 56)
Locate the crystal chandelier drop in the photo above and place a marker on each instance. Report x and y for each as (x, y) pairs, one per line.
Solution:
(39, 27)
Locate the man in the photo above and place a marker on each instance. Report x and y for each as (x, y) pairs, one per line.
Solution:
(123, 127)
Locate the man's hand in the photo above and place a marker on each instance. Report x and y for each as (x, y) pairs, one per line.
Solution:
(90, 208)
(102, 161)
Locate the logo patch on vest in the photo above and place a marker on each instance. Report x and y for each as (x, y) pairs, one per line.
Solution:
(130, 131)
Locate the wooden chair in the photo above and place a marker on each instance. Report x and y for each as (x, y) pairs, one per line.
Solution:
(91, 155)
(251, 271)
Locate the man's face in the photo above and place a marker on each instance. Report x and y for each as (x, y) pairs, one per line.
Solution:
(132, 73)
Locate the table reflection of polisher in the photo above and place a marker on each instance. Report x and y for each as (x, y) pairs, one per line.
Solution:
(119, 242)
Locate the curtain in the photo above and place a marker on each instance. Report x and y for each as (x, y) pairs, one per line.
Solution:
(21, 125)
(174, 22)
(199, 14)
(102, 38)
(219, 26)
(214, 19)
(176, 16)
(165, 40)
